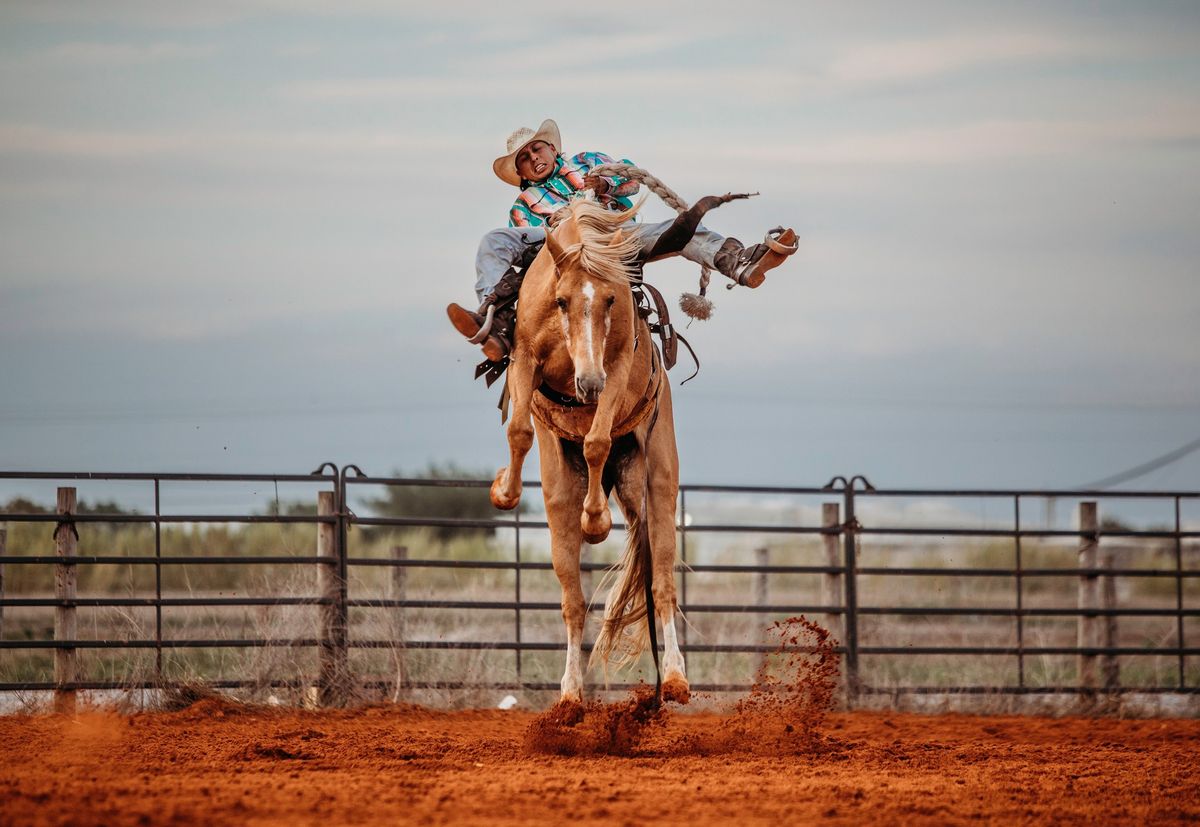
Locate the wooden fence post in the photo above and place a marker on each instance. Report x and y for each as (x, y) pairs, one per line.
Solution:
(66, 545)
(1087, 630)
(332, 682)
(399, 620)
(1110, 667)
(831, 583)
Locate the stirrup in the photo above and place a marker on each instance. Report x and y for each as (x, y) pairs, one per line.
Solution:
(771, 239)
(486, 327)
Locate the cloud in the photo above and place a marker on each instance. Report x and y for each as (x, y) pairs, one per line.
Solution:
(122, 54)
(976, 142)
(145, 13)
(888, 62)
(34, 139)
(762, 84)
(578, 50)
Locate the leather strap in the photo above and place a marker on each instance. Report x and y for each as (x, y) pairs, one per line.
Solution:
(666, 333)
(560, 398)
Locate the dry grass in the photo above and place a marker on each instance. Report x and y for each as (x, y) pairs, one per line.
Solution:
(284, 674)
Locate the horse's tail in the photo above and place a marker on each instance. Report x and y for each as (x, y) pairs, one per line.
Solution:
(625, 635)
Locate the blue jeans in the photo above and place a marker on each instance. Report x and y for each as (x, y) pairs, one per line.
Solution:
(506, 247)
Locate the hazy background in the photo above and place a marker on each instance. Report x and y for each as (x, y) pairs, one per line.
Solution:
(228, 230)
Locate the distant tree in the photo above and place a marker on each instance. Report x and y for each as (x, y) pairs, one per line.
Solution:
(103, 507)
(1114, 524)
(440, 501)
(24, 505)
(292, 508)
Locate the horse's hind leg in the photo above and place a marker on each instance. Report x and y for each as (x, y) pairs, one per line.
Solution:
(563, 490)
(663, 496)
(660, 504)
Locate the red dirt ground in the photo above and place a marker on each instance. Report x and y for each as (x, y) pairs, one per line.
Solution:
(217, 762)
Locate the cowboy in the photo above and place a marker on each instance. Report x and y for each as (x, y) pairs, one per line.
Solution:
(547, 181)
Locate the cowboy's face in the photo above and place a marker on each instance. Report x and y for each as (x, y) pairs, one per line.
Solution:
(535, 161)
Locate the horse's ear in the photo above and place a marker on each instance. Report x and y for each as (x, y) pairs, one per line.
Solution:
(616, 237)
(556, 250)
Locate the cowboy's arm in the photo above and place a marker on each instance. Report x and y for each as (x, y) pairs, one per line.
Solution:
(519, 215)
(614, 185)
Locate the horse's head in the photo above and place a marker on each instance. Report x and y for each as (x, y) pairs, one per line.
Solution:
(592, 258)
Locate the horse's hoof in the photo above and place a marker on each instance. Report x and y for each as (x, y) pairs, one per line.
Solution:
(596, 529)
(501, 498)
(567, 712)
(594, 539)
(676, 689)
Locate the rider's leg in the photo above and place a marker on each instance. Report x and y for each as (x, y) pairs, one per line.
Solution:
(713, 250)
(500, 252)
(702, 248)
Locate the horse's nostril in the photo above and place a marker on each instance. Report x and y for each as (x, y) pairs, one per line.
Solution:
(588, 387)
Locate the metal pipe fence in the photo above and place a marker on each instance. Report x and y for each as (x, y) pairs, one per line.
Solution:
(851, 547)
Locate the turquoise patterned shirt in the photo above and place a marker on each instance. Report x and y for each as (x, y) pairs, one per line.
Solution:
(537, 202)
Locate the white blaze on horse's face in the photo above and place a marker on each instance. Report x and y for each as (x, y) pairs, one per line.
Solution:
(585, 309)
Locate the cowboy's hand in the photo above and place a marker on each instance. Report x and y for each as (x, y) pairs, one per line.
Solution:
(596, 184)
(557, 216)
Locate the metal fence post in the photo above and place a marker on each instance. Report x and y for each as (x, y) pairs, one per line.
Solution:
(851, 617)
(762, 556)
(517, 592)
(3, 551)
(1087, 635)
(831, 583)
(683, 570)
(329, 584)
(65, 541)
(399, 620)
(1110, 667)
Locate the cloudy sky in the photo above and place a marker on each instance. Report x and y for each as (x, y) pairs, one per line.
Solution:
(228, 230)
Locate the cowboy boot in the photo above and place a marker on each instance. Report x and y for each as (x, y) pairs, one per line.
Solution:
(504, 320)
(749, 265)
(469, 324)
(504, 323)
(502, 303)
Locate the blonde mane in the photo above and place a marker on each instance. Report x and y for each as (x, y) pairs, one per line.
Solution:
(597, 226)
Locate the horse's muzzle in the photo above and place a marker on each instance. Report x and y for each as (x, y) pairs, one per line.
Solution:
(588, 387)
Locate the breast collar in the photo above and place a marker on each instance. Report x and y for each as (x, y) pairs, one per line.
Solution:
(566, 401)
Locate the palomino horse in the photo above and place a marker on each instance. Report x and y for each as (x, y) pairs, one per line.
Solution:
(586, 377)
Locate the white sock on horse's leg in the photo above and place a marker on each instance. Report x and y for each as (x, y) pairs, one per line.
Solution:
(572, 679)
(672, 657)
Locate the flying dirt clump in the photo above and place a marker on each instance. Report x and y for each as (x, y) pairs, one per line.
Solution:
(793, 690)
(784, 712)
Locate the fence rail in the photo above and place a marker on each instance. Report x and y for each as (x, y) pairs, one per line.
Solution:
(1098, 647)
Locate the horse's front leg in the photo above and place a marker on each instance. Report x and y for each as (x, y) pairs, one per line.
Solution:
(523, 376)
(562, 489)
(596, 519)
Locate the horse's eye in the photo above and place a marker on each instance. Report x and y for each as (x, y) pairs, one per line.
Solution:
(562, 303)
(611, 300)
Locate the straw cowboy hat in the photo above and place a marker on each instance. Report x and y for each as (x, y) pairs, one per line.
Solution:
(505, 166)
